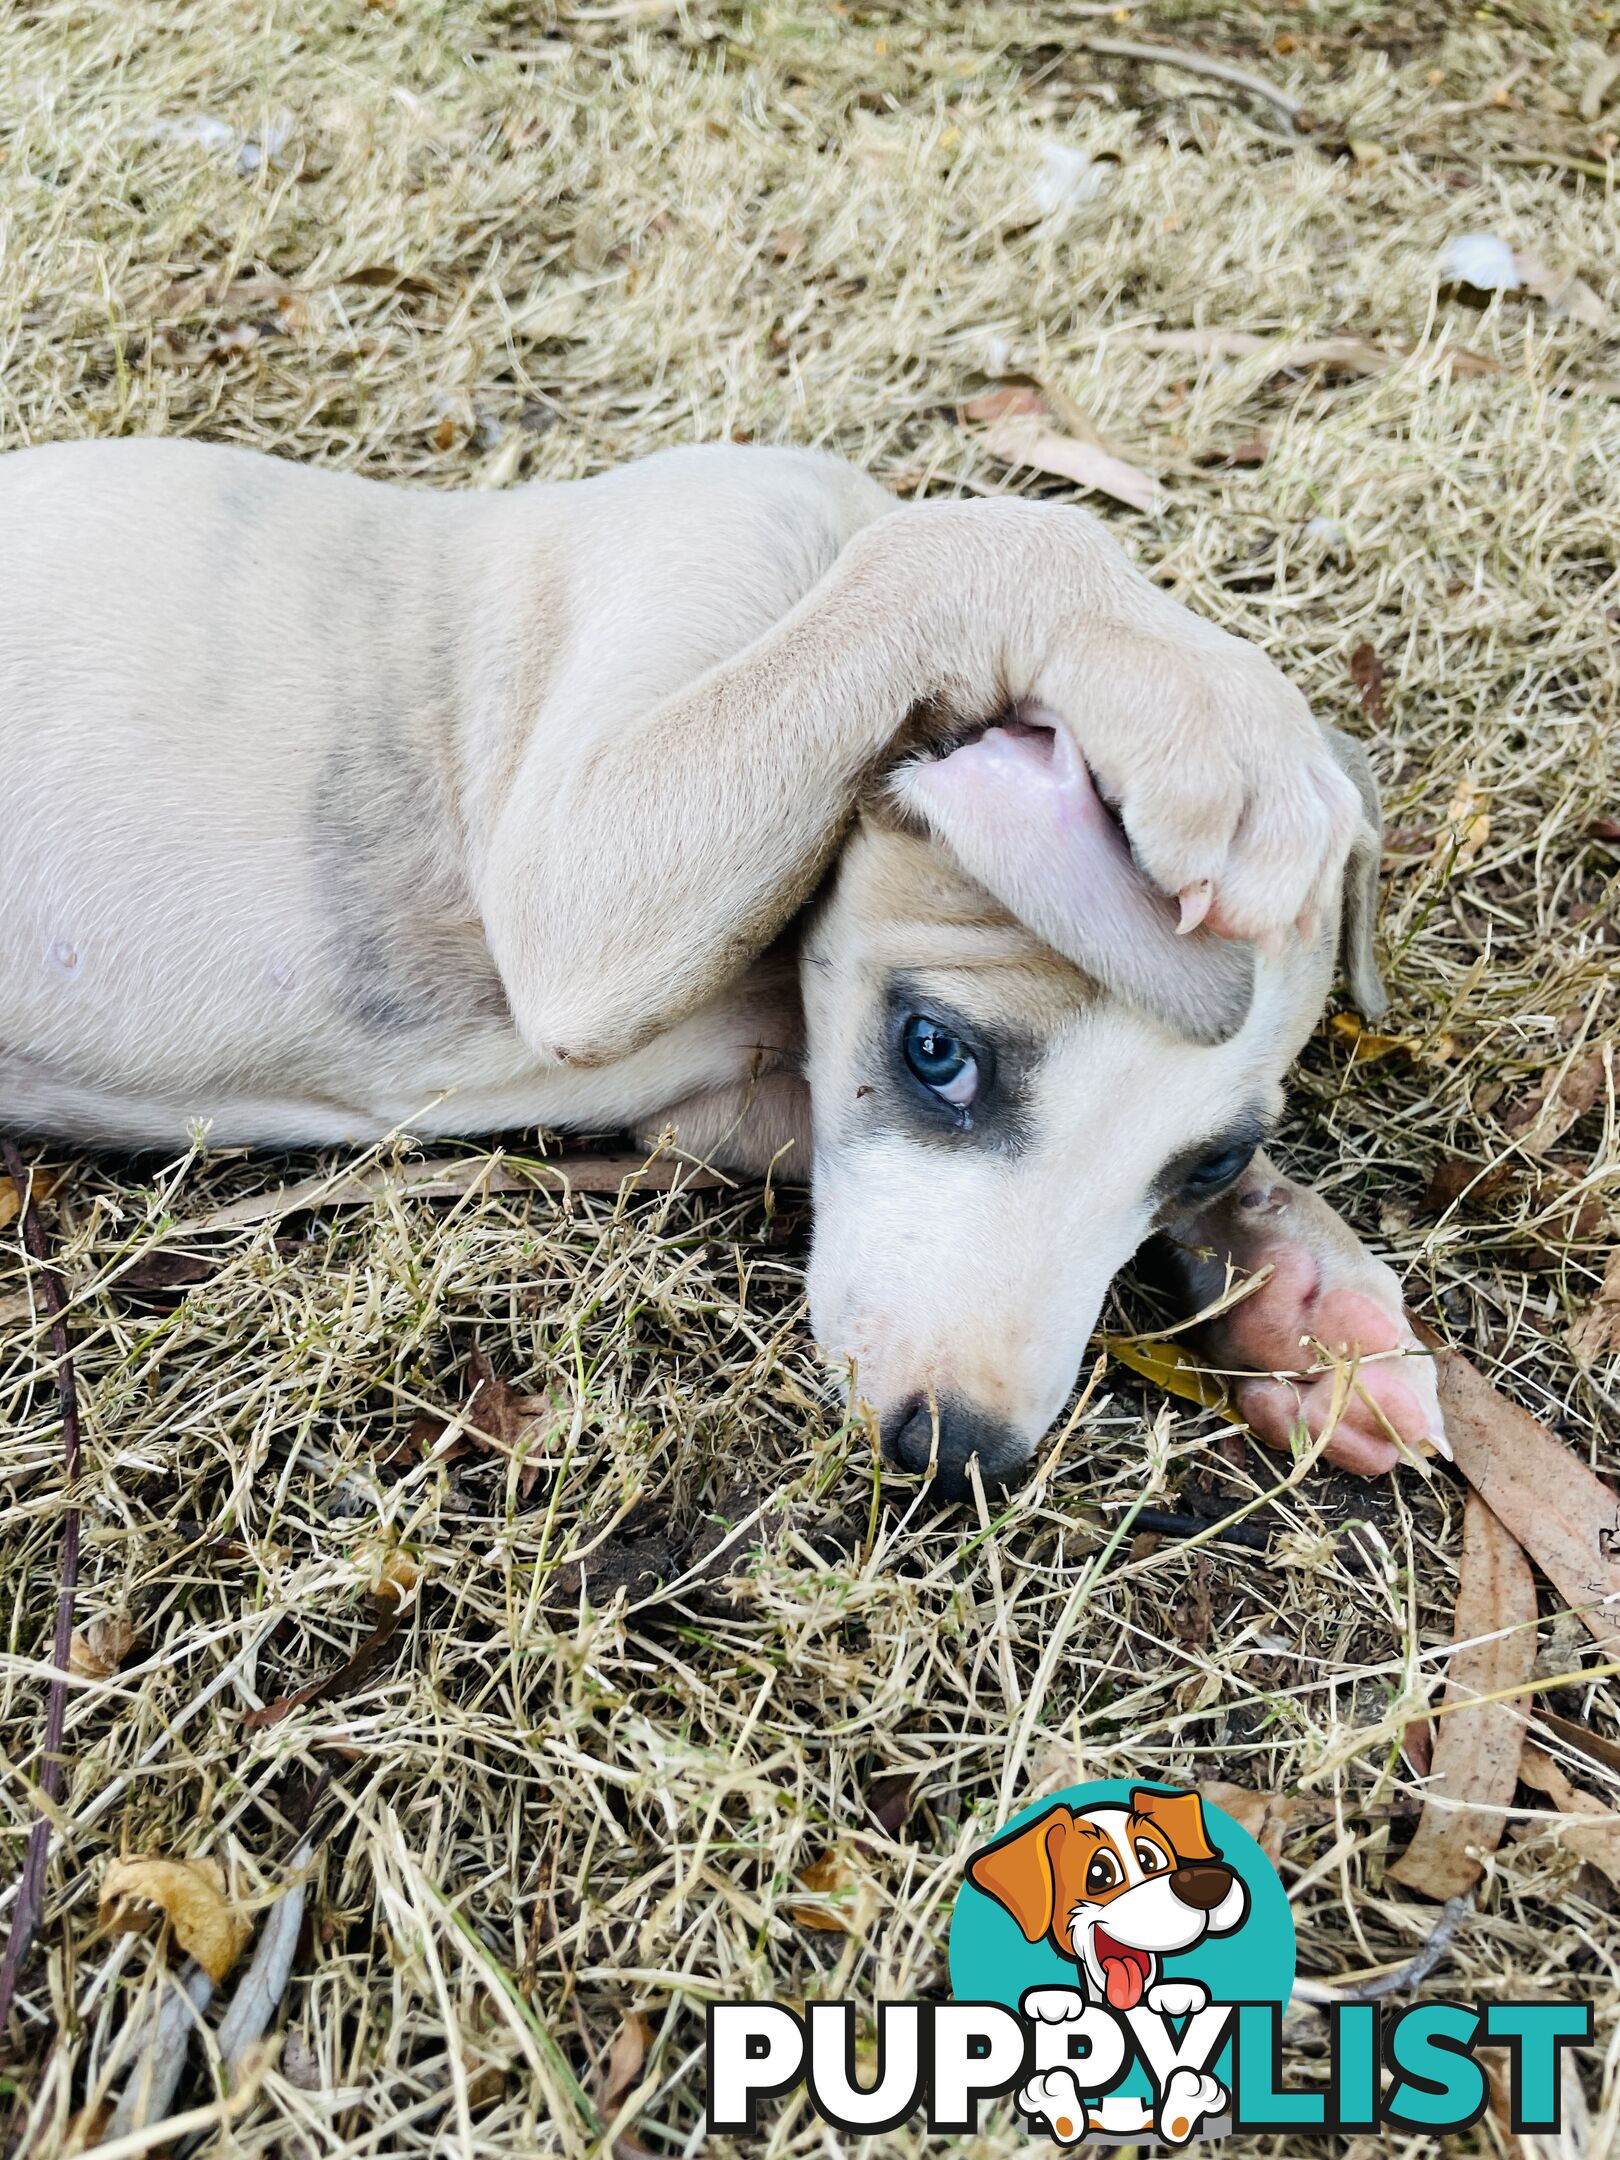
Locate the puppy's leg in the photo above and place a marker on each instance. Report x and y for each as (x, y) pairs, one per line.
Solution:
(753, 1126)
(1325, 1300)
(627, 882)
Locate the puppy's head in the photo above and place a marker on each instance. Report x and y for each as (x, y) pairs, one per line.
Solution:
(998, 1122)
(1117, 1888)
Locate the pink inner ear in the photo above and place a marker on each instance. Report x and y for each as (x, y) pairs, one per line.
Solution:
(1017, 808)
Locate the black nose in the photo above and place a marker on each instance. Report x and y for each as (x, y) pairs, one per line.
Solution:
(964, 1433)
(1201, 1884)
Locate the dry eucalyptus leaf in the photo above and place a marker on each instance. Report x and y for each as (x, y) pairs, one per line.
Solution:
(1563, 1095)
(1008, 401)
(620, 2073)
(1597, 1332)
(1477, 1744)
(1265, 1816)
(190, 1895)
(98, 1652)
(1561, 1512)
(1593, 1830)
(1020, 442)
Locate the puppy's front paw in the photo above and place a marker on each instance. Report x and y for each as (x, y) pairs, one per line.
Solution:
(1054, 2101)
(1177, 1998)
(1190, 2097)
(1325, 1334)
(1052, 2005)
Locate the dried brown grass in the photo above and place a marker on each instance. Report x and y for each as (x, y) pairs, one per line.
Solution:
(517, 240)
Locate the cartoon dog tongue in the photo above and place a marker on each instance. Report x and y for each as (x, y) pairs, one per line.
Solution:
(1122, 1978)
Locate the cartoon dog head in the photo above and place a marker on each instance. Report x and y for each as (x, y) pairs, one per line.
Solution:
(1117, 1888)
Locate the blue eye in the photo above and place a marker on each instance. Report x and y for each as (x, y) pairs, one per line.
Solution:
(940, 1060)
(1217, 1170)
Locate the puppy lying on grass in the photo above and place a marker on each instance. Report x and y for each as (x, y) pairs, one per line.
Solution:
(721, 793)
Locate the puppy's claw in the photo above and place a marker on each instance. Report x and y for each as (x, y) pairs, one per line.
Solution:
(1270, 943)
(1195, 905)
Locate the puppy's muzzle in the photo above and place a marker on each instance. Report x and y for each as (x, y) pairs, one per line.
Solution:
(1201, 1886)
(965, 1434)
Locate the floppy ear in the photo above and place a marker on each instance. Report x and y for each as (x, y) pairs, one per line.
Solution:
(1019, 1872)
(1017, 809)
(1180, 1816)
(1360, 905)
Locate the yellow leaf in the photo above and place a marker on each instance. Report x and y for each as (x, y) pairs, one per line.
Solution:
(1170, 1367)
(44, 1183)
(1365, 1043)
(190, 1895)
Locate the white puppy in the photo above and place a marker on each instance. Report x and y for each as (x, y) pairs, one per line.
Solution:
(719, 792)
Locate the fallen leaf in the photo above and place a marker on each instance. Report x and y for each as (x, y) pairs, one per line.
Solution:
(1582, 1738)
(1008, 401)
(620, 2071)
(1459, 1179)
(1477, 1745)
(44, 1183)
(343, 1680)
(1193, 1617)
(1566, 1518)
(164, 1274)
(98, 1652)
(890, 1800)
(1368, 675)
(1562, 293)
(1485, 263)
(1466, 830)
(498, 1420)
(1594, 1831)
(190, 1895)
(1175, 1370)
(1560, 1099)
(1366, 1043)
(1265, 1816)
(390, 1570)
(834, 1877)
(1350, 355)
(1248, 451)
(1597, 1332)
(1019, 442)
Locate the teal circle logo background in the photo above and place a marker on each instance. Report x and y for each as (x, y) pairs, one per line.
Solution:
(991, 1962)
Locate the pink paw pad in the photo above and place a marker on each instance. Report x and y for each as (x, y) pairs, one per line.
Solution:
(1292, 1325)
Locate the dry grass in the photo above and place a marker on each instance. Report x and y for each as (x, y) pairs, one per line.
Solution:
(521, 240)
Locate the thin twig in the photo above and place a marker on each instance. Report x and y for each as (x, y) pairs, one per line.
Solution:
(1197, 63)
(1410, 1975)
(31, 1887)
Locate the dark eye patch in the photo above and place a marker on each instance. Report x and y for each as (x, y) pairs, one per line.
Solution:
(1213, 1166)
(894, 1096)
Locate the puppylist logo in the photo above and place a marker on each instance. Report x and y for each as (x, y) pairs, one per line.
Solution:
(1121, 1957)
